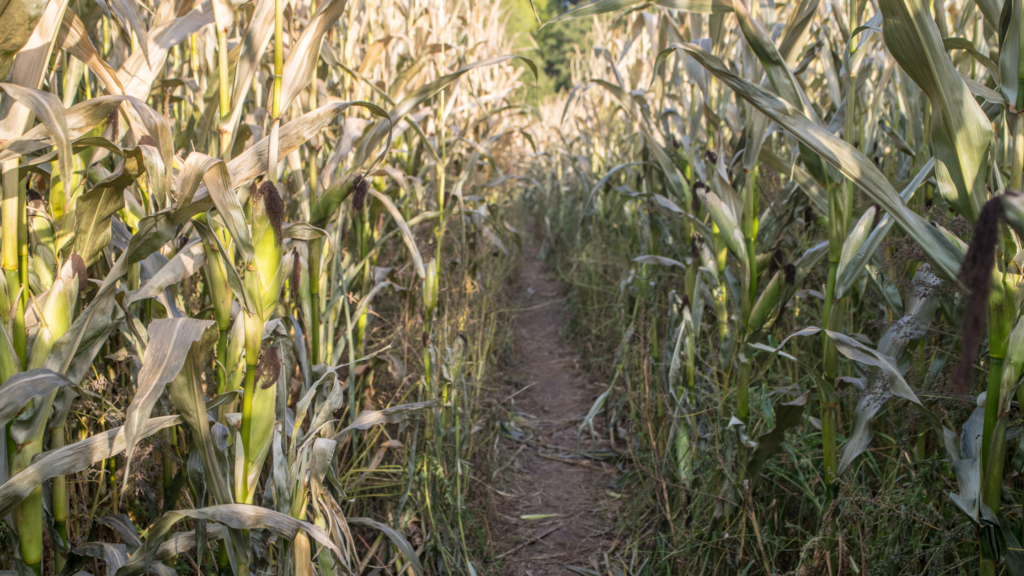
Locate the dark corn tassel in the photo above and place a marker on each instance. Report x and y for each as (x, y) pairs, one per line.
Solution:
(686, 302)
(114, 119)
(78, 266)
(776, 262)
(34, 200)
(269, 368)
(790, 273)
(695, 197)
(362, 185)
(808, 216)
(274, 205)
(296, 275)
(976, 275)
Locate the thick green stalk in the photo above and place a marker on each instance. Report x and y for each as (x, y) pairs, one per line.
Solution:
(59, 500)
(28, 516)
(993, 451)
(994, 439)
(222, 358)
(828, 404)
(1017, 162)
(30, 528)
(249, 391)
(14, 244)
(278, 58)
(831, 319)
(221, 296)
(743, 392)
(225, 92)
(57, 313)
(839, 208)
(721, 297)
(166, 464)
(315, 248)
(750, 208)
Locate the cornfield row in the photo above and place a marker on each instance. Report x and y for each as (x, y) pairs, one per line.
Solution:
(793, 235)
(249, 287)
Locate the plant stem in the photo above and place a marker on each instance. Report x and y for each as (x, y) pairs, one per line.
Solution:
(222, 358)
(278, 60)
(314, 326)
(225, 93)
(994, 439)
(14, 245)
(1017, 162)
(721, 297)
(743, 392)
(828, 405)
(250, 389)
(59, 503)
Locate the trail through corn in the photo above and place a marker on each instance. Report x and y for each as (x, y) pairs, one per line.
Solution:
(553, 511)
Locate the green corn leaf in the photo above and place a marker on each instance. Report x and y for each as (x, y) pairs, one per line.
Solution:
(72, 459)
(193, 340)
(217, 179)
(18, 389)
(849, 273)
(185, 264)
(855, 239)
(787, 415)
(943, 255)
(170, 341)
(727, 223)
(20, 18)
(369, 418)
(237, 516)
(396, 538)
(305, 52)
(410, 242)
(960, 130)
(48, 108)
(92, 220)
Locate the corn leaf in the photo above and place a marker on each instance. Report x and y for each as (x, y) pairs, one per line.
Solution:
(943, 255)
(237, 516)
(960, 130)
(24, 386)
(185, 263)
(170, 341)
(73, 458)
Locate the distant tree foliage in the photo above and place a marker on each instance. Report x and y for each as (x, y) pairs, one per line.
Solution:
(552, 47)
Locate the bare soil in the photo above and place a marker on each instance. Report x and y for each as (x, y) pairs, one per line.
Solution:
(541, 468)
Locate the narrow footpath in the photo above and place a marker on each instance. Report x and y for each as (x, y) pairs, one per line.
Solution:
(555, 512)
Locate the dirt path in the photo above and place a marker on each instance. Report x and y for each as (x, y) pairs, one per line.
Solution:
(544, 472)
